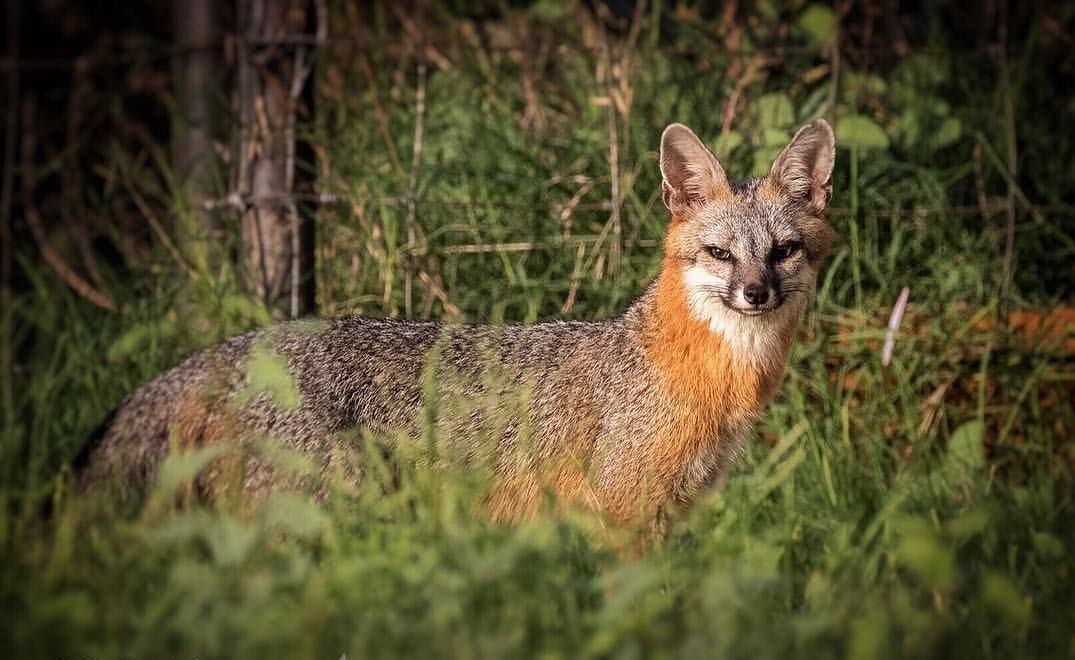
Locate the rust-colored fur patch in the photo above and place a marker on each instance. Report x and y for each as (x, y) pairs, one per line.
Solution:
(697, 365)
(711, 389)
(519, 492)
(200, 422)
(191, 423)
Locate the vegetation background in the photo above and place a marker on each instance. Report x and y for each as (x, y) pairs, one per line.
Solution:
(495, 162)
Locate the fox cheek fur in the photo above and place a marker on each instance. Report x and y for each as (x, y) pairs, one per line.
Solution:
(629, 415)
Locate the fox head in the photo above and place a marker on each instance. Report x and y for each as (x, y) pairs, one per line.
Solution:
(749, 250)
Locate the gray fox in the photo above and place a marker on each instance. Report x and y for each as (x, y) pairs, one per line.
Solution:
(630, 416)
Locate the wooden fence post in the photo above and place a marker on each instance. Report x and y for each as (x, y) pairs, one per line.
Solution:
(275, 54)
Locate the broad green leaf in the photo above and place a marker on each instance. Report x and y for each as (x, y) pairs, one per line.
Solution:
(774, 137)
(999, 592)
(182, 527)
(775, 111)
(856, 86)
(267, 372)
(135, 340)
(965, 452)
(924, 553)
(967, 525)
(549, 8)
(182, 466)
(726, 144)
(772, 142)
(869, 637)
(294, 514)
(245, 308)
(230, 541)
(819, 23)
(1048, 545)
(860, 131)
(763, 160)
(947, 133)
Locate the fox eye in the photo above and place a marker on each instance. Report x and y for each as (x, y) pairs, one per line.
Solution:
(785, 250)
(719, 253)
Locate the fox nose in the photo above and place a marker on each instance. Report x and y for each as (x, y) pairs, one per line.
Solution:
(756, 293)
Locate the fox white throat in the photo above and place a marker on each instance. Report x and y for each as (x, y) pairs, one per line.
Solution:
(755, 338)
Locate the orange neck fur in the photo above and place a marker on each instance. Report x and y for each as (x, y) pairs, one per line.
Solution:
(714, 392)
(699, 367)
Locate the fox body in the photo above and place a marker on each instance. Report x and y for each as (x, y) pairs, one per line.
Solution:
(627, 415)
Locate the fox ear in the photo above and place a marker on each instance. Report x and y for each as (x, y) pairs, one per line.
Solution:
(692, 174)
(804, 168)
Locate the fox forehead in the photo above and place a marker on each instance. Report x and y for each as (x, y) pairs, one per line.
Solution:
(750, 224)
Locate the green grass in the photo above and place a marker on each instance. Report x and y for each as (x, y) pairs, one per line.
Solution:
(918, 510)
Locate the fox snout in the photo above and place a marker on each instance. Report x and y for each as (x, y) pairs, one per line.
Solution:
(754, 299)
(757, 291)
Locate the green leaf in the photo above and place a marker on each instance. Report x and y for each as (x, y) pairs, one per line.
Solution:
(818, 22)
(761, 487)
(967, 525)
(926, 555)
(726, 144)
(245, 309)
(267, 372)
(763, 160)
(549, 9)
(775, 111)
(182, 527)
(230, 541)
(862, 132)
(774, 137)
(947, 133)
(1048, 545)
(999, 592)
(286, 460)
(182, 466)
(908, 129)
(294, 514)
(858, 88)
(965, 451)
(869, 637)
(772, 142)
(135, 340)
(818, 591)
